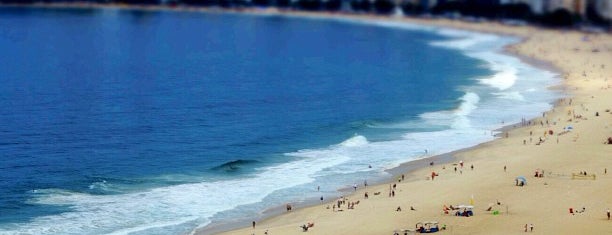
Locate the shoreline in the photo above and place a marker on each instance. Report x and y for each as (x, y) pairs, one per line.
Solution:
(417, 166)
(411, 168)
(405, 168)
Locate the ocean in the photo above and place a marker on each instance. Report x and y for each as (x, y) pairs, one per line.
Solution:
(159, 122)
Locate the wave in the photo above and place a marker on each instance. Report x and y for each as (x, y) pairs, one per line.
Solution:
(481, 46)
(463, 40)
(513, 95)
(235, 165)
(486, 48)
(456, 119)
(468, 104)
(102, 186)
(175, 209)
(357, 140)
(172, 209)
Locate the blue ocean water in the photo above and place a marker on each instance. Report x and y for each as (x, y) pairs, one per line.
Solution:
(153, 122)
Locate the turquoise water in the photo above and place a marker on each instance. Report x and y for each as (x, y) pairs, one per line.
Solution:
(132, 122)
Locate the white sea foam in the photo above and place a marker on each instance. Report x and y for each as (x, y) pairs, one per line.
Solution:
(462, 40)
(513, 95)
(189, 205)
(355, 141)
(468, 104)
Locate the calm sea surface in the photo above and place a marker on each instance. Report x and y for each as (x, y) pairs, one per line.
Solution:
(132, 122)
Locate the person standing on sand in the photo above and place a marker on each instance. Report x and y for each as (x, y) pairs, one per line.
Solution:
(253, 224)
(504, 168)
(608, 213)
(531, 227)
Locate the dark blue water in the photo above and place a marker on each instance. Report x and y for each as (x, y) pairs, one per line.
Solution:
(145, 100)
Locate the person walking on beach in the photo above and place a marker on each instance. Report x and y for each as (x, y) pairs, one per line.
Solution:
(253, 224)
(531, 227)
(608, 213)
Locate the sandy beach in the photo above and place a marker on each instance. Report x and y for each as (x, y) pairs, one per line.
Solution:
(500, 207)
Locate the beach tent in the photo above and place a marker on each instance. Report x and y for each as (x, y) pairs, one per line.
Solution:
(427, 227)
(520, 179)
(469, 210)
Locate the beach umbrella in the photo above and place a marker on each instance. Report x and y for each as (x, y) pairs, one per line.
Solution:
(522, 178)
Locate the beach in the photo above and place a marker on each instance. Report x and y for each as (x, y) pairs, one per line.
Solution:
(565, 145)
